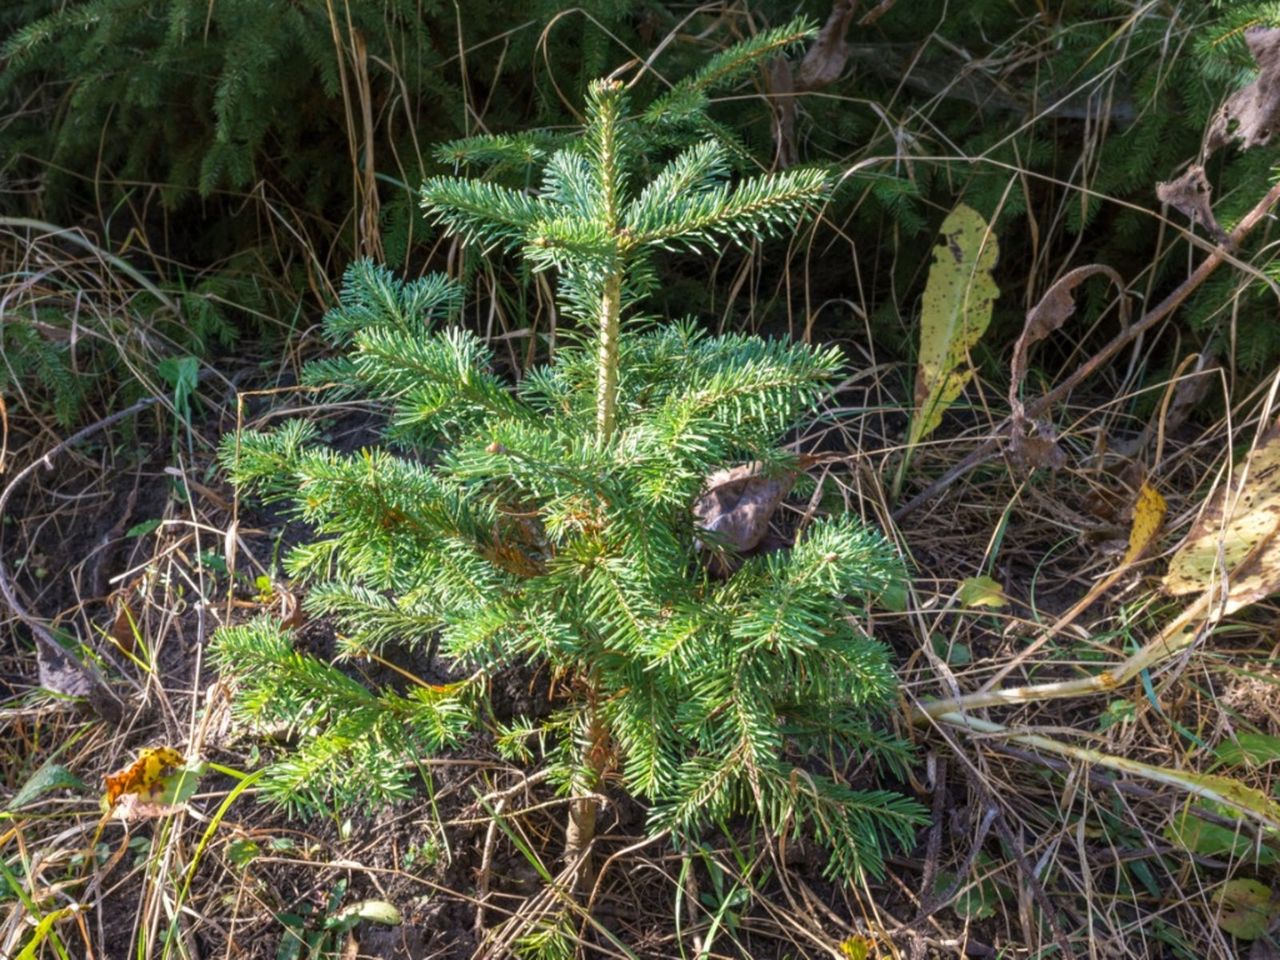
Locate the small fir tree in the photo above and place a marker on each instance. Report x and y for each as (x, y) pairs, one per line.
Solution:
(552, 523)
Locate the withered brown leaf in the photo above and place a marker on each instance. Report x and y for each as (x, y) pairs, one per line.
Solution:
(1034, 444)
(1252, 114)
(1189, 195)
(737, 505)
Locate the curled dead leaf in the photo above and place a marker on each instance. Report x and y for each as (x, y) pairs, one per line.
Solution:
(822, 65)
(292, 615)
(1191, 389)
(1034, 443)
(1189, 195)
(1252, 114)
(736, 507)
(134, 807)
(124, 625)
(826, 59)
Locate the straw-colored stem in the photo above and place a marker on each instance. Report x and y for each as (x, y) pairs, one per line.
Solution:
(1215, 789)
(1178, 635)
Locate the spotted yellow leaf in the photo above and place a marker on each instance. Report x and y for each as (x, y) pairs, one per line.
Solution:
(1247, 909)
(1235, 538)
(954, 314)
(1148, 517)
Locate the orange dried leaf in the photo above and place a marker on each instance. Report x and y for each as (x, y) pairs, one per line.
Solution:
(143, 774)
(124, 628)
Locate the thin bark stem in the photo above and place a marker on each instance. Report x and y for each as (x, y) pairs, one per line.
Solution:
(584, 807)
(607, 383)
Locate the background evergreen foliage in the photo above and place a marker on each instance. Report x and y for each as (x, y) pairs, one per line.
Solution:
(130, 114)
(1056, 121)
(208, 101)
(526, 525)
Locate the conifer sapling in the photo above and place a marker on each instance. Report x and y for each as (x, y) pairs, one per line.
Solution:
(551, 523)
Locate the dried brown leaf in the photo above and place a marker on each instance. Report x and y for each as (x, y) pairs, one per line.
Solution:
(1189, 195)
(1190, 391)
(291, 613)
(1035, 444)
(737, 504)
(133, 808)
(1035, 447)
(1252, 114)
(124, 626)
(827, 58)
(60, 673)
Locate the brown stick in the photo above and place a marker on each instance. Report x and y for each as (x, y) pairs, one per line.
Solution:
(989, 447)
(584, 808)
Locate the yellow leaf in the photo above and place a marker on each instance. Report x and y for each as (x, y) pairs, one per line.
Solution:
(1235, 535)
(856, 948)
(955, 313)
(982, 592)
(1148, 517)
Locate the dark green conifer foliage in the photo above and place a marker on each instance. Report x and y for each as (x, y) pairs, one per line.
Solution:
(551, 523)
(111, 105)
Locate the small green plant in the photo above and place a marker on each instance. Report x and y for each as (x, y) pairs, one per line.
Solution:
(552, 523)
(324, 934)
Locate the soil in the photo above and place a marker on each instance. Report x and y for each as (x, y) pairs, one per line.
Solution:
(300, 871)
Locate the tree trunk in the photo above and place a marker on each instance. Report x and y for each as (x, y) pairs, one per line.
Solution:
(584, 807)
